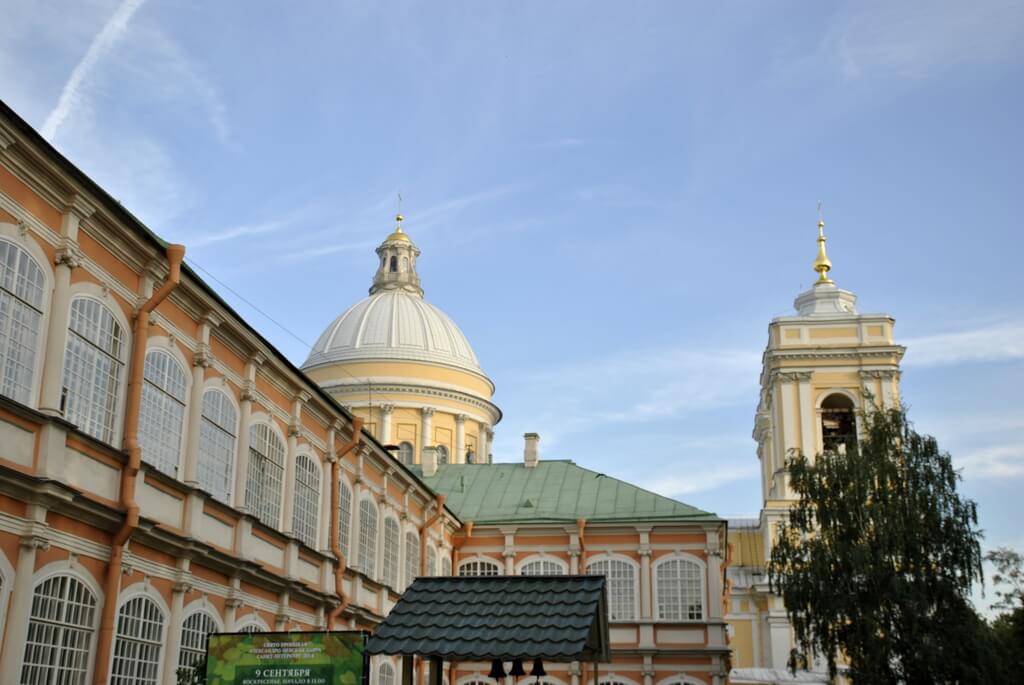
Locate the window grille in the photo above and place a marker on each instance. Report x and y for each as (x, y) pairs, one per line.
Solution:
(412, 557)
(217, 444)
(680, 590)
(431, 560)
(21, 315)
(479, 567)
(140, 636)
(344, 516)
(193, 638)
(391, 552)
(542, 567)
(266, 473)
(307, 500)
(93, 368)
(621, 587)
(251, 628)
(446, 565)
(60, 629)
(162, 411)
(405, 452)
(368, 537)
(385, 674)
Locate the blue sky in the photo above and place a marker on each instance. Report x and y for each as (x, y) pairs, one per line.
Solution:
(612, 199)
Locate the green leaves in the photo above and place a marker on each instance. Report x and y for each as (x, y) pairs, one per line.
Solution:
(878, 556)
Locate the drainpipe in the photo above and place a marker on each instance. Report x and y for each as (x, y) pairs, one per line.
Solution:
(423, 533)
(339, 569)
(112, 580)
(457, 545)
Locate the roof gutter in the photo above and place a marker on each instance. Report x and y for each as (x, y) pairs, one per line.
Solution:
(341, 563)
(130, 472)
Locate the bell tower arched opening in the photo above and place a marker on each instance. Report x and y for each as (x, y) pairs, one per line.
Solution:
(838, 423)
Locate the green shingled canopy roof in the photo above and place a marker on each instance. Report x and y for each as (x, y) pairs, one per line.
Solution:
(551, 491)
(478, 618)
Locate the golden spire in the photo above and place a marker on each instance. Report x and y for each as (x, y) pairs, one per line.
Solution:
(822, 264)
(398, 233)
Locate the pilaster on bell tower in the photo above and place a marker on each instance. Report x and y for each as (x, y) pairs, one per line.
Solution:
(818, 370)
(397, 268)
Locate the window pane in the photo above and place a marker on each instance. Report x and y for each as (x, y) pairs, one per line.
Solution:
(480, 567)
(162, 412)
(344, 517)
(60, 629)
(217, 445)
(680, 591)
(21, 303)
(368, 538)
(307, 500)
(391, 552)
(140, 630)
(621, 587)
(93, 368)
(194, 630)
(266, 475)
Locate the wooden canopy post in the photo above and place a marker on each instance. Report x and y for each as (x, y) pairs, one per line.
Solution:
(407, 669)
(436, 671)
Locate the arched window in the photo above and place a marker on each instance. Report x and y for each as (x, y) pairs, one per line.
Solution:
(385, 674)
(140, 636)
(92, 368)
(22, 286)
(838, 423)
(307, 500)
(394, 264)
(479, 567)
(412, 557)
(446, 565)
(194, 630)
(442, 454)
(162, 411)
(266, 469)
(405, 452)
(431, 560)
(621, 587)
(253, 626)
(391, 551)
(368, 537)
(470, 456)
(217, 444)
(680, 585)
(542, 567)
(344, 516)
(60, 628)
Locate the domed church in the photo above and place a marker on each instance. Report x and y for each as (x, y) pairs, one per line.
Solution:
(403, 365)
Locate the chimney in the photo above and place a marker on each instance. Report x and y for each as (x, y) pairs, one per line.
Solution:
(429, 461)
(531, 453)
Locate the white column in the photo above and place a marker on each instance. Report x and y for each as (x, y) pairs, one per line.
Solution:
(288, 505)
(195, 419)
(242, 458)
(510, 552)
(807, 427)
(20, 609)
(460, 440)
(426, 437)
(174, 631)
(484, 444)
(386, 412)
(645, 583)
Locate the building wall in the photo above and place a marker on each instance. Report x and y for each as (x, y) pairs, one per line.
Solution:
(194, 550)
(646, 650)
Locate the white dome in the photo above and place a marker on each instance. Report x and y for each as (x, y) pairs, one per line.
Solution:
(394, 324)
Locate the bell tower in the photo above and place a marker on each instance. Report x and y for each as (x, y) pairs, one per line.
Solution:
(819, 369)
(397, 268)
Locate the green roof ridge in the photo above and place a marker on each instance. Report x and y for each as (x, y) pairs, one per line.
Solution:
(556, 490)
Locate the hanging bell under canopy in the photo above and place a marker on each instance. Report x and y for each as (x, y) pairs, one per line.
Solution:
(517, 668)
(538, 668)
(497, 669)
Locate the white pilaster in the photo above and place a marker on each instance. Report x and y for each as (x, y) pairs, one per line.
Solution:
(426, 434)
(21, 605)
(174, 631)
(460, 440)
(242, 459)
(387, 411)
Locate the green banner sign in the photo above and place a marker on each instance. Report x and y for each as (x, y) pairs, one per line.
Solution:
(337, 658)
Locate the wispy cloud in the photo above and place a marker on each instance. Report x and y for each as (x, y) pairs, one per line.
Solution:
(998, 342)
(998, 461)
(693, 480)
(238, 232)
(324, 250)
(108, 36)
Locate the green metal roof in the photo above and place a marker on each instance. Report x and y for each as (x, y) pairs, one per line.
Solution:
(477, 618)
(551, 491)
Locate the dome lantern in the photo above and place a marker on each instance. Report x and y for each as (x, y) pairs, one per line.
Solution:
(397, 268)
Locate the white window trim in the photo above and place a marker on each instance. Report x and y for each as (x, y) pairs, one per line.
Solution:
(216, 384)
(308, 453)
(6, 588)
(67, 567)
(109, 300)
(11, 233)
(163, 343)
(530, 680)
(343, 481)
(480, 558)
(679, 680)
(611, 556)
(606, 678)
(705, 608)
(253, 619)
(562, 563)
(142, 590)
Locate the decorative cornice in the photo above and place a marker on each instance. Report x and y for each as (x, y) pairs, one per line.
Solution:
(69, 254)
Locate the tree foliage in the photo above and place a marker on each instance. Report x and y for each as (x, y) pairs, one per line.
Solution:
(878, 556)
